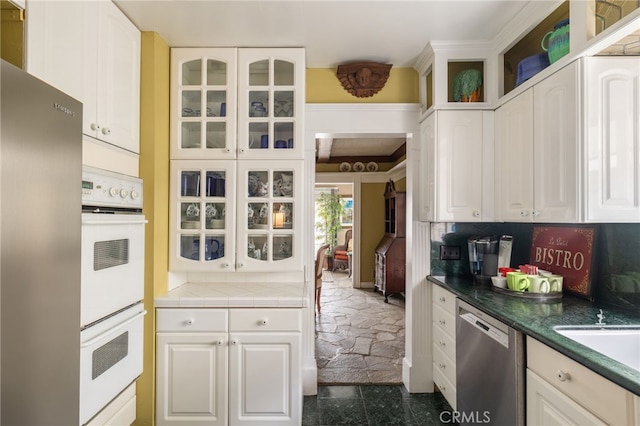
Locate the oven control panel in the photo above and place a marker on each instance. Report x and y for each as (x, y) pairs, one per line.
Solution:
(103, 188)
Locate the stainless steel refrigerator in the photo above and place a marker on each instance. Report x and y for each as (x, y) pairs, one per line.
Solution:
(40, 208)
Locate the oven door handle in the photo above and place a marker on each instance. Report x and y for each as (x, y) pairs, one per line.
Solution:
(112, 329)
(114, 222)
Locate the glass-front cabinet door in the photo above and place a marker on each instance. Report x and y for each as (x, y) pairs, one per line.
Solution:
(203, 103)
(269, 216)
(270, 103)
(202, 216)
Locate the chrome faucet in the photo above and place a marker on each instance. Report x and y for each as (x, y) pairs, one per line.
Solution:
(600, 317)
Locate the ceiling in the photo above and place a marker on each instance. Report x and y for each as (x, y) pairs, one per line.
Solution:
(332, 31)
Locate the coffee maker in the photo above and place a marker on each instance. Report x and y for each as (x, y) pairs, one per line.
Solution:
(487, 254)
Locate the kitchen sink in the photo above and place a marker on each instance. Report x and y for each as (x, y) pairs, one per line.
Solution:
(621, 343)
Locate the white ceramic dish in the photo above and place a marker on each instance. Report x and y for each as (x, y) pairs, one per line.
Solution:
(345, 167)
(358, 167)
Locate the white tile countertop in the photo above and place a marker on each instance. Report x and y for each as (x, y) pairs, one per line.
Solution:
(235, 295)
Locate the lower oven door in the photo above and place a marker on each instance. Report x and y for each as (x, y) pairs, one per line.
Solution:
(110, 359)
(112, 264)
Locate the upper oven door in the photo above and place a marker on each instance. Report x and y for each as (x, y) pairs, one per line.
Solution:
(112, 263)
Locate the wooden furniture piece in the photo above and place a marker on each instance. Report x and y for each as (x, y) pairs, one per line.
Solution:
(341, 253)
(390, 252)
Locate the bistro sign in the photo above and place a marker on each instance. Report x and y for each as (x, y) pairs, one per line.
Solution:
(567, 251)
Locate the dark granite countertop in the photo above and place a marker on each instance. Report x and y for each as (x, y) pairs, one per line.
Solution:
(537, 319)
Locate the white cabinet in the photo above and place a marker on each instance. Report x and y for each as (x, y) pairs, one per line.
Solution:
(229, 366)
(237, 103)
(444, 343)
(457, 154)
(537, 152)
(562, 391)
(91, 51)
(247, 213)
(612, 126)
(231, 110)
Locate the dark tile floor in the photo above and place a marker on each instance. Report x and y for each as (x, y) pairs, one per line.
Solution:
(374, 405)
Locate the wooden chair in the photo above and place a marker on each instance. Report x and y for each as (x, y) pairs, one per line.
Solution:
(340, 257)
(319, 262)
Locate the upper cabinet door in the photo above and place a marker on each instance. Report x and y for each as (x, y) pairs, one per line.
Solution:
(555, 155)
(271, 101)
(459, 150)
(91, 51)
(203, 103)
(613, 141)
(118, 86)
(514, 153)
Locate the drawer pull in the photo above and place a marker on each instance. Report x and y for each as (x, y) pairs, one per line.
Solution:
(562, 376)
(442, 322)
(443, 299)
(442, 366)
(442, 343)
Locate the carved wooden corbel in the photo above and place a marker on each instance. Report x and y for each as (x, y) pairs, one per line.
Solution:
(363, 79)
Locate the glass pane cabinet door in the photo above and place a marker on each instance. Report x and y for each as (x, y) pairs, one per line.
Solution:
(270, 103)
(202, 217)
(203, 103)
(269, 215)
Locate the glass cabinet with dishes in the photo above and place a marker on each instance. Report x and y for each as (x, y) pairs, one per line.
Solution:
(203, 103)
(235, 215)
(237, 103)
(270, 103)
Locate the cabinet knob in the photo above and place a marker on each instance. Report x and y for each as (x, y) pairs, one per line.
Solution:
(524, 213)
(442, 322)
(262, 322)
(443, 299)
(219, 342)
(442, 366)
(94, 126)
(562, 376)
(189, 321)
(535, 213)
(476, 213)
(441, 343)
(226, 265)
(241, 151)
(240, 265)
(234, 342)
(106, 131)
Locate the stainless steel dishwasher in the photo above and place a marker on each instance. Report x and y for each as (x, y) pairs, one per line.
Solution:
(489, 369)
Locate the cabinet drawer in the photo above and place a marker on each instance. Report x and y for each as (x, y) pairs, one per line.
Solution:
(191, 320)
(444, 299)
(445, 320)
(444, 342)
(446, 387)
(265, 320)
(605, 399)
(445, 365)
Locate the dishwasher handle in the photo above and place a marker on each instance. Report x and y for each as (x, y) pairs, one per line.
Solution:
(491, 331)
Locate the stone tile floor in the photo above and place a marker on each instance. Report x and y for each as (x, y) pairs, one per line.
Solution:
(359, 338)
(374, 405)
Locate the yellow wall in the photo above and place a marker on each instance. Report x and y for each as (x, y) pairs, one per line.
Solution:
(12, 34)
(154, 170)
(372, 227)
(324, 87)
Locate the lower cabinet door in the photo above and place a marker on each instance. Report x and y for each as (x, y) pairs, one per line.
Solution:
(264, 379)
(192, 378)
(548, 406)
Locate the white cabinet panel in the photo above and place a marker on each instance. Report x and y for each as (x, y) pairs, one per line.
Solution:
(192, 378)
(613, 141)
(91, 51)
(514, 151)
(456, 167)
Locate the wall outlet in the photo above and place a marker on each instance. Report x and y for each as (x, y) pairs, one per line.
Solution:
(449, 252)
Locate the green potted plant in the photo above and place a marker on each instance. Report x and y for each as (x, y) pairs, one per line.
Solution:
(329, 210)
